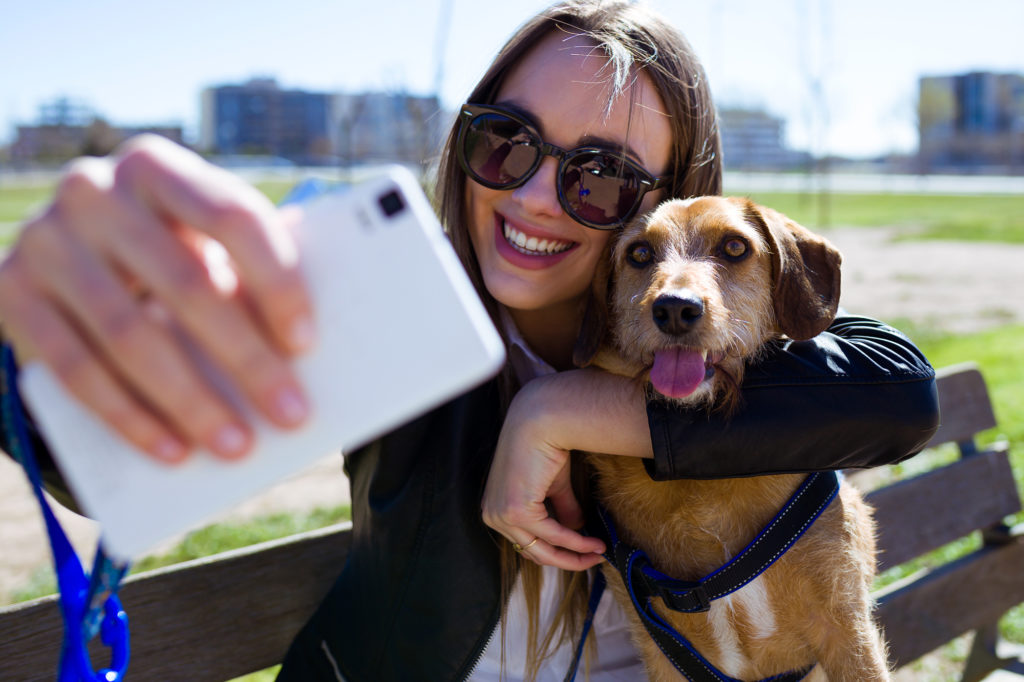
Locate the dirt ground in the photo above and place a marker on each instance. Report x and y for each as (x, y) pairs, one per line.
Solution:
(958, 287)
(955, 286)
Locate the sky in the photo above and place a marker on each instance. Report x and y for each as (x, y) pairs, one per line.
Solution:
(843, 74)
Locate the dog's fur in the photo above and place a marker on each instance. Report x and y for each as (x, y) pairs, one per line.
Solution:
(813, 605)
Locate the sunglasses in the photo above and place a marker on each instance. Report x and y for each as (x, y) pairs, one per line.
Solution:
(598, 187)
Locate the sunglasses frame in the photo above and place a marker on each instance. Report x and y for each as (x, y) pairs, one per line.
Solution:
(646, 182)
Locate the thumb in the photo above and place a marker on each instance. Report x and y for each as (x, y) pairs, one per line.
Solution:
(564, 504)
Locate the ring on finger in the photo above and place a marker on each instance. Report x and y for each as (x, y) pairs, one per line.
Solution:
(522, 548)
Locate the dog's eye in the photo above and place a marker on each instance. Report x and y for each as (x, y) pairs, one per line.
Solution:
(734, 248)
(640, 254)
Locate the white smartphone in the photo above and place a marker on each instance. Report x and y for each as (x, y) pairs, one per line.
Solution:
(400, 330)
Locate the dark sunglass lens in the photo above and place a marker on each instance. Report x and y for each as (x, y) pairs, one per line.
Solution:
(600, 188)
(499, 150)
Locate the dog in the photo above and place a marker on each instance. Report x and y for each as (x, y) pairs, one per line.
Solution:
(697, 289)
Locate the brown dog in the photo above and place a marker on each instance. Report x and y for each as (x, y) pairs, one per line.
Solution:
(696, 290)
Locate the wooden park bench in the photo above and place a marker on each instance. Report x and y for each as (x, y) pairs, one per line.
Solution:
(224, 616)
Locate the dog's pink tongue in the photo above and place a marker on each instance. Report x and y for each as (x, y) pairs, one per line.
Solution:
(677, 372)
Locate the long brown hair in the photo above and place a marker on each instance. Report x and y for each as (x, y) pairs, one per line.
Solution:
(635, 40)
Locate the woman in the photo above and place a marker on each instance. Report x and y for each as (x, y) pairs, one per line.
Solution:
(420, 595)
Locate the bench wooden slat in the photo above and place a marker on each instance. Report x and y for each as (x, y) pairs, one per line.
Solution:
(964, 404)
(957, 597)
(925, 512)
(206, 620)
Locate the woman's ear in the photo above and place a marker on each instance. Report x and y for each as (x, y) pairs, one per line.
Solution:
(595, 314)
(805, 273)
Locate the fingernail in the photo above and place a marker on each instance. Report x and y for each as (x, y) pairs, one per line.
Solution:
(169, 450)
(230, 440)
(291, 406)
(302, 334)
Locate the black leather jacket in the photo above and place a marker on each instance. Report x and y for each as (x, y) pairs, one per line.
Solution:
(418, 597)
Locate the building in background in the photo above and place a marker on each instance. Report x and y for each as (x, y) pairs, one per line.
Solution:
(753, 139)
(260, 118)
(971, 122)
(66, 129)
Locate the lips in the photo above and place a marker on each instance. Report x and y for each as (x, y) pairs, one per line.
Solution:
(528, 251)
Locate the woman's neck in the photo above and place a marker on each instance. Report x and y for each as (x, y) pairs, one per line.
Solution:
(551, 333)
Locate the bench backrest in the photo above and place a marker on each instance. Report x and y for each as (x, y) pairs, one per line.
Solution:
(206, 620)
(217, 618)
(928, 511)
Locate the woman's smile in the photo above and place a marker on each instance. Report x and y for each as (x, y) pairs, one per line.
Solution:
(527, 247)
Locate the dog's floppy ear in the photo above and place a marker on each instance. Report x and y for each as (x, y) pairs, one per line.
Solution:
(595, 314)
(805, 273)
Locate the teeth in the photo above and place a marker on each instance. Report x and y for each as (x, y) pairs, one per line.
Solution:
(532, 246)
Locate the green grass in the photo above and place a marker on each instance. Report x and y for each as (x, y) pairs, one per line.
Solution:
(275, 189)
(222, 537)
(267, 675)
(998, 218)
(17, 203)
(1000, 355)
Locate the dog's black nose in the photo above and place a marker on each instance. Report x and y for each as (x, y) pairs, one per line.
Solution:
(678, 312)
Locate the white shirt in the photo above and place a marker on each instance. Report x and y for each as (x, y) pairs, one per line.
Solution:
(616, 658)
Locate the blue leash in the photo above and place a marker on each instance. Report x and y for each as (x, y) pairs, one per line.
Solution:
(89, 604)
(596, 591)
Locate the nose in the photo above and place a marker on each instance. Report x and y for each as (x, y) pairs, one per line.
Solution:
(678, 312)
(538, 195)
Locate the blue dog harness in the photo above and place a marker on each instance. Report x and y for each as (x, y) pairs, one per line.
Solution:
(644, 582)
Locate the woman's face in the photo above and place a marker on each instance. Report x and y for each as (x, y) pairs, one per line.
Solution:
(562, 85)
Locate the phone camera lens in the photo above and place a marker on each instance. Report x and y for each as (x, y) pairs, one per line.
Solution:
(391, 203)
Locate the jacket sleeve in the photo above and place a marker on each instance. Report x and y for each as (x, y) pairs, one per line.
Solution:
(858, 395)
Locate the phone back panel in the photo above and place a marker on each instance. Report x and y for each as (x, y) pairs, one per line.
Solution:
(400, 330)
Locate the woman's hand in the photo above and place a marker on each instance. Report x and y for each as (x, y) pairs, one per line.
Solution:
(577, 410)
(103, 282)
